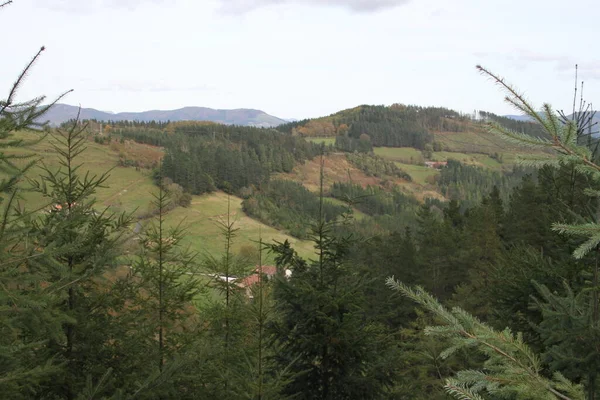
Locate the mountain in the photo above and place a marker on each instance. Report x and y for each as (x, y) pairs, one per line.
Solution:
(524, 118)
(595, 126)
(60, 113)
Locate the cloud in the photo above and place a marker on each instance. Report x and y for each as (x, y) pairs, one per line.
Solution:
(243, 6)
(88, 6)
(564, 65)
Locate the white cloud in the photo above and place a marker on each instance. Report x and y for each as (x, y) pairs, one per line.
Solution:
(87, 6)
(242, 6)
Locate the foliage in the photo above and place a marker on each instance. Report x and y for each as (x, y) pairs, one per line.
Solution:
(510, 369)
(335, 350)
(374, 165)
(289, 205)
(470, 184)
(373, 200)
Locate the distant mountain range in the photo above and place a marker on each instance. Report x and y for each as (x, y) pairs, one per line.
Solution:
(60, 113)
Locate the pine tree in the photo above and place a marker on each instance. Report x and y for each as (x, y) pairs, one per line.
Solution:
(333, 349)
(81, 249)
(164, 284)
(511, 369)
(27, 320)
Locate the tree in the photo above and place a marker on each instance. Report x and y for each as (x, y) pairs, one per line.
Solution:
(26, 323)
(510, 369)
(334, 350)
(81, 249)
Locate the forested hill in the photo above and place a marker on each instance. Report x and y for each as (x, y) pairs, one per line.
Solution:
(60, 113)
(394, 126)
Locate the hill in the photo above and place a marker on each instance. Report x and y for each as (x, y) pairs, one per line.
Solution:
(60, 113)
(130, 189)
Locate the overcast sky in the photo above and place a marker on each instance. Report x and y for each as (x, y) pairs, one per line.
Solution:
(300, 58)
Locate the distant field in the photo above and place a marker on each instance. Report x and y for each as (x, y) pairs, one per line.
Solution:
(203, 233)
(408, 155)
(478, 141)
(326, 140)
(126, 188)
(405, 155)
(358, 215)
(419, 174)
(130, 190)
(475, 159)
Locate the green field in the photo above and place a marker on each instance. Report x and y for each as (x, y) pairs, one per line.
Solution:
(419, 174)
(328, 141)
(405, 155)
(130, 190)
(482, 160)
(202, 223)
(126, 189)
(473, 142)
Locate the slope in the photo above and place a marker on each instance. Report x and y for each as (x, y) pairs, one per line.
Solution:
(130, 189)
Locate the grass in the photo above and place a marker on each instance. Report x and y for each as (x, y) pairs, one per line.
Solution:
(405, 155)
(130, 190)
(482, 160)
(325, 140)
(357, 214)
(203, 231)
(126, 189)
(419, 174)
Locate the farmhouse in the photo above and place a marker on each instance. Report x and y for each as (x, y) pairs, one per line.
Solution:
(267, 270)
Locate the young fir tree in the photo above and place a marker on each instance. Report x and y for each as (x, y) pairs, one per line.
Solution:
(81, 246)
(334, 350)
(25, 317)
(225, 368)
(165, 283)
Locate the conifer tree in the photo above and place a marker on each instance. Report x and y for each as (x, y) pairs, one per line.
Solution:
(333, 349)
(511, 368)
(164, 284)
(81, 249)
(25, 321)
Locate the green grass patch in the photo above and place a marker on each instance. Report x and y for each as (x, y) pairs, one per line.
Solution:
(201, 221)
(126, 188)
(405, 155)
(419, 174)
(325, 140)
(358, 215)
(482, 160)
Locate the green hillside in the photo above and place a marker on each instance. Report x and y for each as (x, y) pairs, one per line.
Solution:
(130, 189)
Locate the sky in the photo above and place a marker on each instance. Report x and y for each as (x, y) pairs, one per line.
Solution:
(300, 58)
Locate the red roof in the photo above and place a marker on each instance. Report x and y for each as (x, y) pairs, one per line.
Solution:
(267, 270)
(249, 281)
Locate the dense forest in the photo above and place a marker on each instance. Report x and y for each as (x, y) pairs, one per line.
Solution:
(493, 294)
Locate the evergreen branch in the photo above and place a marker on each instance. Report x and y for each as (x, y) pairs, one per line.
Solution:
(13, 91)
(6, 3)
(519, 138)
(457, 390)
(518, 99)
(538, 161)
(507, 354)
